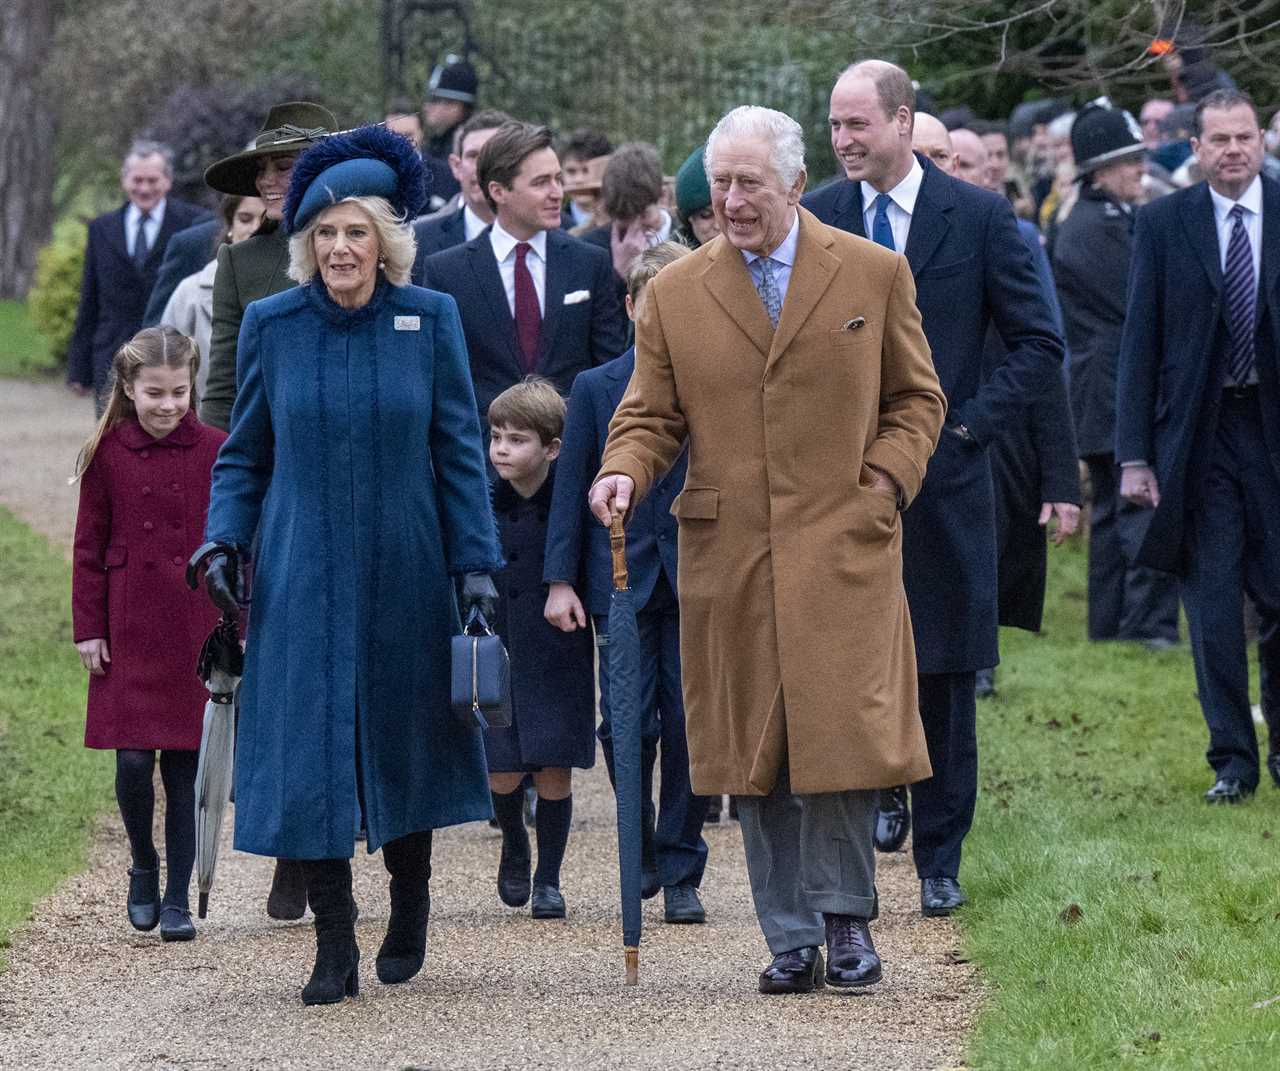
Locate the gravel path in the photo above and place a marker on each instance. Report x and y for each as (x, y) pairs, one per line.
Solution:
(498, 990)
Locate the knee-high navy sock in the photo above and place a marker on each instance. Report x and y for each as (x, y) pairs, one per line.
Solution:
(137, 800)
(178, 771)
(552, 823)
(508, 809)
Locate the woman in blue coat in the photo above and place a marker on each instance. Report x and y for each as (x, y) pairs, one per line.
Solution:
(355, 456)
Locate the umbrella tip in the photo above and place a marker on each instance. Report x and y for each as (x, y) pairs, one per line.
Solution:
(633, 966)
(204, 905)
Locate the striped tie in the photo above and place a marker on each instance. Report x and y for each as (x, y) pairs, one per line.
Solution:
(1241, 292)
(768, 288)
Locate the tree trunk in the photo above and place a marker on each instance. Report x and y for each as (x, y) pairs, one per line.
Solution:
(26, 140)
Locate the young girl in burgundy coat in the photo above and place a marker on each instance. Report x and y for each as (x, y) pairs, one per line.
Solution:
(144, 491)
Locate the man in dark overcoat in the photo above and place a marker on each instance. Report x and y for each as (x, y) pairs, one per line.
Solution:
(532, 298)
(1198, 415)
(971, 270)
(121, 259)
(1091, 264)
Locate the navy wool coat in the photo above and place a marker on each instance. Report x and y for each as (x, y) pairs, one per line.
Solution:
(553, 693)
(1173, 355)
(972, 270)
(355, 455)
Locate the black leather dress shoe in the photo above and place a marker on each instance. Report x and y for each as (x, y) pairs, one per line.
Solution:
(287, 899)
(797, 971)
(713, 810)
(940, 896)
(893, 819)
(682, 905)
(176, 924)
(143, 903)
(1273, 767)
(513, 872)
(547, 902)
(1230, 790)
(852, 960)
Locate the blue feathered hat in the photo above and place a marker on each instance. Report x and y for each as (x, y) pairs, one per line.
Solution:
(370, 161)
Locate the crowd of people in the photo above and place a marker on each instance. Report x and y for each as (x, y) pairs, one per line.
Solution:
(410, 372)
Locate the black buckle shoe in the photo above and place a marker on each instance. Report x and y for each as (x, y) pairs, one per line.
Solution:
(893, 819)
(176, 924)
(682, 905)
(1230, 790)
(940, 896)
(547, 902)
(797, 971)
(852, 960)
(143, 902)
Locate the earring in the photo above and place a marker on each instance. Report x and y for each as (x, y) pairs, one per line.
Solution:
(381, 263)
(229, 236)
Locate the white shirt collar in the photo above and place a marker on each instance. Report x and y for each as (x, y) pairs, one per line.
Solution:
(903, 195)
(1250, 200)
(786, 251)
(134, 213)
(504, 243)
(472, 225)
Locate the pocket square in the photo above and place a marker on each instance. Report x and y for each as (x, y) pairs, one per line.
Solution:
(577, 296)
(854, 324)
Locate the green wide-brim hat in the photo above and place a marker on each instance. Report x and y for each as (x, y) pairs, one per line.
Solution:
(693, 192)
(289, 128)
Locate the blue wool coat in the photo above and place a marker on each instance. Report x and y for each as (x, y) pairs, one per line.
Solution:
(355, 455)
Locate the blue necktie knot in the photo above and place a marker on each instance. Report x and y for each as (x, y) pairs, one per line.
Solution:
(881, 231)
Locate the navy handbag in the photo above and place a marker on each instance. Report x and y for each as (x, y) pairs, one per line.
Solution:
(481, 675)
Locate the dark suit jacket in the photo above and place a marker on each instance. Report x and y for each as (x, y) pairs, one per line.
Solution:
(577, 544)
(1173, 355)
(574, 337)
(434, 234)
(187, 253)
(971, 270)
(250, 270)
(113, 292)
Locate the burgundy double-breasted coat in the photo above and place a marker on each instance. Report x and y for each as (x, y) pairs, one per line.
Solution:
(142, 512)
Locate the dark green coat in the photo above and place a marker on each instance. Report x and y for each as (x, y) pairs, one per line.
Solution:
(247, 271)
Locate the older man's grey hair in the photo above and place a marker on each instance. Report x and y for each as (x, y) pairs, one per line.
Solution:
(779, 131)
(142, 148)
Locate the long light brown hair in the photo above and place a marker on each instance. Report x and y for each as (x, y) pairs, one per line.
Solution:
(152, 347)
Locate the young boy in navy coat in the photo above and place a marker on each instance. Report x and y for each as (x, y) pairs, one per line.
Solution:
(577, 559)
(552, 686)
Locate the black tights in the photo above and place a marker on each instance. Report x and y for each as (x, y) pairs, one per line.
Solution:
(137, 799)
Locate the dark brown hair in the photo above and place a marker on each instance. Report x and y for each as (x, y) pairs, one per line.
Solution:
(632, 181)
(531, 405)
(500, 159)
(487, 119)
(1221, 100)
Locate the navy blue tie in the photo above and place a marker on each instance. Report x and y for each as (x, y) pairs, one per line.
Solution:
(881, 232)
(1241, 290)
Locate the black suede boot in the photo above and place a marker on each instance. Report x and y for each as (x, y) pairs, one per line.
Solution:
(336, 971)
(408, 861)
(287, 899)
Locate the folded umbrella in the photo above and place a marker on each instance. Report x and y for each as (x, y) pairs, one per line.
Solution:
(624, 714)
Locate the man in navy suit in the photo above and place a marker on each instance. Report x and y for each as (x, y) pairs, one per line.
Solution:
(972, 269)
(1198, 417)
(463, 218)
(578, 559)
(121, 260)
(532, 299)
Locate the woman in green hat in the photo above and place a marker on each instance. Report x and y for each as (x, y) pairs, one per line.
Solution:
(693, 202)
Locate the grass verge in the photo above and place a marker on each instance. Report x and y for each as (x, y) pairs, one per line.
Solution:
(51, 787)
(24, 352)
(1120, 921)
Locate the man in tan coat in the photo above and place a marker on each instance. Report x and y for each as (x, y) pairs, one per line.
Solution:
(790, 357)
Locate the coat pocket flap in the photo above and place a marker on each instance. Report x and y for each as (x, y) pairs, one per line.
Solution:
(115, 557)
(697, 503)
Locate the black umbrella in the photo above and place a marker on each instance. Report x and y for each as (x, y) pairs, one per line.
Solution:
(624, 713)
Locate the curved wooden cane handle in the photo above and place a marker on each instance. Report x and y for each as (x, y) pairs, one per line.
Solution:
(618, 547)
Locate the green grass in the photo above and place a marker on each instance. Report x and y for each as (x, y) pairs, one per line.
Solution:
(23, 351)
(1092, 771)
(51, 787)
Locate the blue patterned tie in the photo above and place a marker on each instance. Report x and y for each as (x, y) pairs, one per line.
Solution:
(881, 232)
(767, 287)
(1241, 291)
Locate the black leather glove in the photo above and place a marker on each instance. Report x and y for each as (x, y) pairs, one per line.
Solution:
(224, 581)
(478, 591)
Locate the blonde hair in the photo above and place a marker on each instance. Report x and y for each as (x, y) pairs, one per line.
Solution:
(396, 244)
(152, 347)
(533, 405)
(645, 267)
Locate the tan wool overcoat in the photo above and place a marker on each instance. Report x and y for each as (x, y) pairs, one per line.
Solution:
(796, 641)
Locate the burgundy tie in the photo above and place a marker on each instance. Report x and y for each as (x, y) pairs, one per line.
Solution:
(528, 315)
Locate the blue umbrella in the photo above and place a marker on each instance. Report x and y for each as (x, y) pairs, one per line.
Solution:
(624, 712)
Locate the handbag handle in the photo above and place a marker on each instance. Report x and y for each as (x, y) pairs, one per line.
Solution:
(618, 548)
(475, 617)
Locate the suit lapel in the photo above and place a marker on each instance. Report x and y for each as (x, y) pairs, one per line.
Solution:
(729, 281)
(485, 267)
(1202, 230)
(847, 212)
(929, 222)
(167, 229)
(811, 274)
(556, 280)
(119, 235)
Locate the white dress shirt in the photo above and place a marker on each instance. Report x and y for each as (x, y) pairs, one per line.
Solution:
(472, 225)
(903, 197)
(783, 259)
(133, 215)
(504, 248)
(1251, 202)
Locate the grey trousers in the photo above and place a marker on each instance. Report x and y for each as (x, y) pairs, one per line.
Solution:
(806, 855)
